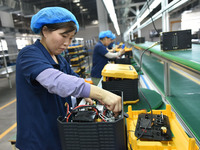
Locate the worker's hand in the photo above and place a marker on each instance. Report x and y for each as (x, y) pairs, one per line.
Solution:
(112, 101)
(122, 51)
(89, 100)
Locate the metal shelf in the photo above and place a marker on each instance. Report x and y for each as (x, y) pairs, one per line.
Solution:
(6, 70)
(6, 55)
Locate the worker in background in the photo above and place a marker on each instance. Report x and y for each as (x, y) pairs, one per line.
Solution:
(111, 46)
(45, 81)
(101, 55)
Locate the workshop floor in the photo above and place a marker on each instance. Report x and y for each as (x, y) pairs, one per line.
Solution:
(7, 112)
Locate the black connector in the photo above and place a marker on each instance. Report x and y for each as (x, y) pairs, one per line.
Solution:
(84, 116)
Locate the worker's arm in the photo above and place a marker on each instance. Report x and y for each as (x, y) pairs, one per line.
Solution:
(65, 85)
(114, 55)
(110, 50)
(62, 84)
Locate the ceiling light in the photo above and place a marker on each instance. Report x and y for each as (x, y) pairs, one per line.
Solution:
(111, 11)
(95, 22)
(76, 1)
(85, 9)
(78, 4)
(81, 7)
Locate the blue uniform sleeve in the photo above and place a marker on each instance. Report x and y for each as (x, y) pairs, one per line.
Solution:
(31, 62)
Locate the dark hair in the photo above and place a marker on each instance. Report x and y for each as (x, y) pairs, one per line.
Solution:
(71, 26)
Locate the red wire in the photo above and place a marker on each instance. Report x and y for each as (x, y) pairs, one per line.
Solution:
(67, 109)
(104, 113)
(104, 120)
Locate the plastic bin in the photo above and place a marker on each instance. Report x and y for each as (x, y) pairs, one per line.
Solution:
(180, 140)
(93, 135)
(121, 77)
(72, 49)
(122, 61)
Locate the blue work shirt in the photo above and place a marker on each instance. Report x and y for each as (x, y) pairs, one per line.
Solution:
(37, 109)
(99, 60)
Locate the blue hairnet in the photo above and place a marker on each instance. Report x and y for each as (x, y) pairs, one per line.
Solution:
(51, 15)
(104, 34)
(113, 37)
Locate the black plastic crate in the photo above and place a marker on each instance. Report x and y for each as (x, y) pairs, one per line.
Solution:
(74, 49)
(93, 135)
(128, 86)
(122, 61)
(128, 54)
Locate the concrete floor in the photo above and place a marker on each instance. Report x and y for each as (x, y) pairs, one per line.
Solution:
(7, 112)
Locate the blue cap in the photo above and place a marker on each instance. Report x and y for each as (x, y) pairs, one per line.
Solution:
(51, 15)
(104, 34)
(113, 37)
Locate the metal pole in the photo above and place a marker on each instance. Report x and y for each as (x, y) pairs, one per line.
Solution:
(166, 79)
(165, 16)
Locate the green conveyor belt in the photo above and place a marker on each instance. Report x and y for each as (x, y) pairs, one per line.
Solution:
(154, 99)
(185, 93)
(189, 58)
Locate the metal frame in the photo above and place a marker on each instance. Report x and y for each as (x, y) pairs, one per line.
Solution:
(164, 13)
(167, 64)
(8, 69)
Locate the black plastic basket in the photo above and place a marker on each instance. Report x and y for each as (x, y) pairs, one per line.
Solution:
(93, 135)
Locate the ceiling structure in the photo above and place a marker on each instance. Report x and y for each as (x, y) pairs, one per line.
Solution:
(84, 10)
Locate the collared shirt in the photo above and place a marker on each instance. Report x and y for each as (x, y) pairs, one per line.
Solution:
(37, 108)
(99, 60)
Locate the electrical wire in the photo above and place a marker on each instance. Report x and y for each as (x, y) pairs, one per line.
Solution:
(152, 17)
(150, 122)
(140, 65)
(154, 44)
(128, 138)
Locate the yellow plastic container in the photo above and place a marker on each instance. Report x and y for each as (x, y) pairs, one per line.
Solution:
(78, 70)
(126, 49)
(180, 140)
(77, 58)
(122, 71)
(124, 77)
(88, 81)
(74, 59)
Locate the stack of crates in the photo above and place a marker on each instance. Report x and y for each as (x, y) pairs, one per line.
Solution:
(179, 141)
(121, 77)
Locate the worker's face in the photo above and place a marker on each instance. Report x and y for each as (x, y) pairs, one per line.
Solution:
(57, 41)
(107, 41)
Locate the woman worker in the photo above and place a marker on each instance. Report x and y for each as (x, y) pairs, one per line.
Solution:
(101, 55)
(45, 81)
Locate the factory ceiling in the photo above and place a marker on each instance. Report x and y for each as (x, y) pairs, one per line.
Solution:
(84, 10)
